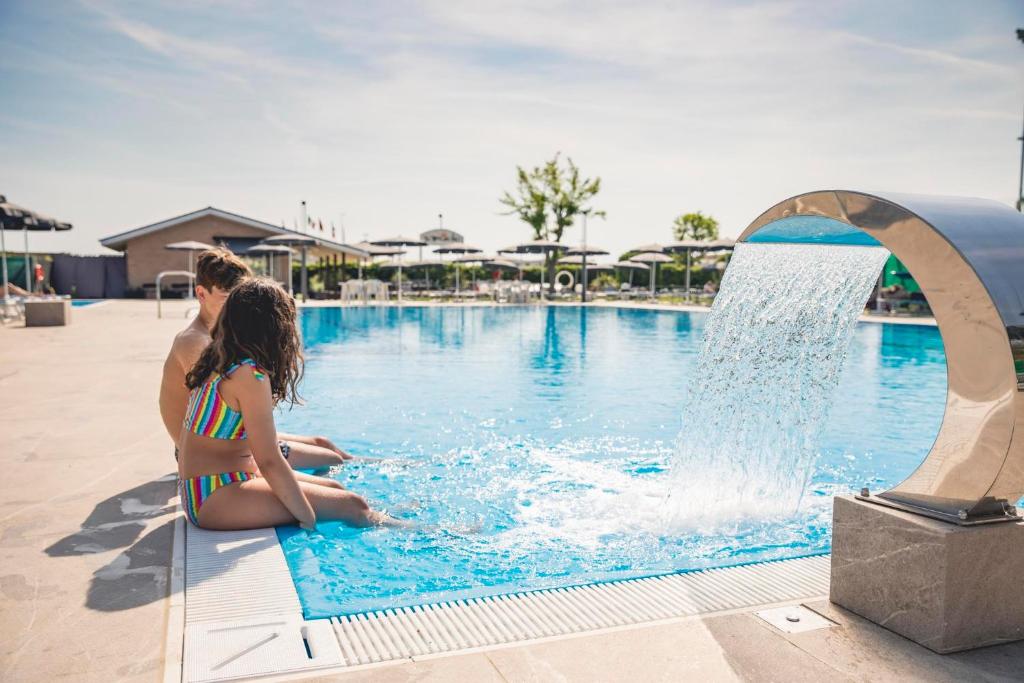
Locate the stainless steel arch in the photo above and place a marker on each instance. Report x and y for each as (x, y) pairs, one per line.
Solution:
(968, 257)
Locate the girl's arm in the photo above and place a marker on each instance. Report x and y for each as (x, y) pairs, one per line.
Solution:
(321, 441)
(257, 408)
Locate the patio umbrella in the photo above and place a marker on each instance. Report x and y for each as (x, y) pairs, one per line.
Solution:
(14, 217)
(652, 258)
(588, 250)
(544, 247)
(578, 261)
(687, 246)
(586, 266)
(632, 266)
(471, 259)
(269, 250)
(410, 265)
(191, 246)
(303, 242)
(379, 251)
(376, 251)
(585, 250)
(399, 241)
(457, 248)
(651, 248)
(501, 264)
(521, 263)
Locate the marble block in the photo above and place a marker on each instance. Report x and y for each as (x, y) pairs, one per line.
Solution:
(945, 586)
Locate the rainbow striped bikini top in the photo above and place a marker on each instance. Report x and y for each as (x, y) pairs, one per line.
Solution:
(209, 415)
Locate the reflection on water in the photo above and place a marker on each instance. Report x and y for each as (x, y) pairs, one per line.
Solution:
(552, 429)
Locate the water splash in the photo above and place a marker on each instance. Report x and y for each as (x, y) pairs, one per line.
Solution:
(772, 354)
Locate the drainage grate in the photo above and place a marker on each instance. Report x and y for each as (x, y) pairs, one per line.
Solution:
(462, 624)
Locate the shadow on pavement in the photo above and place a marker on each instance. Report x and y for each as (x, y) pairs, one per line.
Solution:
(119, 520)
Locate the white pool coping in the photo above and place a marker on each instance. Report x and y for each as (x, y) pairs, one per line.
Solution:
(235, 613)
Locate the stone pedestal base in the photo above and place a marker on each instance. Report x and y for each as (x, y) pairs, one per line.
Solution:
(944, 586)
(47, 312)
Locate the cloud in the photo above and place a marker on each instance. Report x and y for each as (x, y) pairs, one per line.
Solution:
(937, 57)
(213, 57)
(393, 112)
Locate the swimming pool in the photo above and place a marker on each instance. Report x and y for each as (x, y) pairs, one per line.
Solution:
(532, 445)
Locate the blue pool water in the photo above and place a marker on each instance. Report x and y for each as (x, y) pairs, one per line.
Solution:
(78, 303)
(532, 445)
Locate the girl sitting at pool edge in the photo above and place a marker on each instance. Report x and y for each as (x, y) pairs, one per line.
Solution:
(232, 473)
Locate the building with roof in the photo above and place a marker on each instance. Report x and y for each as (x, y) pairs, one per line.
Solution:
(146, 254)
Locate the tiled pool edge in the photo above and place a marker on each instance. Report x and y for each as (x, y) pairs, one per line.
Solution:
(231, 633)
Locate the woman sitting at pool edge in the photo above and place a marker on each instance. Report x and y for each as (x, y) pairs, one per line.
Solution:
(232, 473)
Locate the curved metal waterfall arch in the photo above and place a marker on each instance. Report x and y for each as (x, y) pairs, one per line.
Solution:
(967, 255)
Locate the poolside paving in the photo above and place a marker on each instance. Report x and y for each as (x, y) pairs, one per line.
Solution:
(86, 509)
(86, 502)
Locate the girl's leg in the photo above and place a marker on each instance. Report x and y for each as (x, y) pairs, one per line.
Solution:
(252, 505)
(319, 481)
(309, 457)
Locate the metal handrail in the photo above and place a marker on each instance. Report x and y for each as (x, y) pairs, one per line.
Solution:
(174, 273)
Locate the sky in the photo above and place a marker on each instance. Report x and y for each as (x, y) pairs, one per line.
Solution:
(382, 115)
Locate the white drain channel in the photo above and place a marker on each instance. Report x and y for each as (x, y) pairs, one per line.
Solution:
(463, 624)
(243, 617)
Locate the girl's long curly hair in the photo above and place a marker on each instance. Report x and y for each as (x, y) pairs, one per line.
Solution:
(257, 322)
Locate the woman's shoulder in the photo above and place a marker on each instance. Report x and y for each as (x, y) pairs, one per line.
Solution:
(251, 369)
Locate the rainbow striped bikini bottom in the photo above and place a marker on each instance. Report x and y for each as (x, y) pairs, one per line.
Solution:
(195, 490)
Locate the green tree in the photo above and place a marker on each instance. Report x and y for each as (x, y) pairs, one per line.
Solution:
(549, 198)
(695, 226)
(530, 202)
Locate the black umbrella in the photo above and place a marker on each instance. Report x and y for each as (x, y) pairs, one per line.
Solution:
(399, 241)
(534, 247)
(687, 246)
(14, 217)
(632, 266)
(652, 258)
(303, 242)
(458, 248)
(269, 251)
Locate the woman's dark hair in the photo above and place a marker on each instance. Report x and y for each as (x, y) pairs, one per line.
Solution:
(257, 322)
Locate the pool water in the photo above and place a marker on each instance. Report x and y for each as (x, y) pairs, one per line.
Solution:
(79, 303)
(532, 445)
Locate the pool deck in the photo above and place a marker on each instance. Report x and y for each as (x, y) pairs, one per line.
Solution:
(87, 510)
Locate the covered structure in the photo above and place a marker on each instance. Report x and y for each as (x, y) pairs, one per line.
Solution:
(146, 256)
